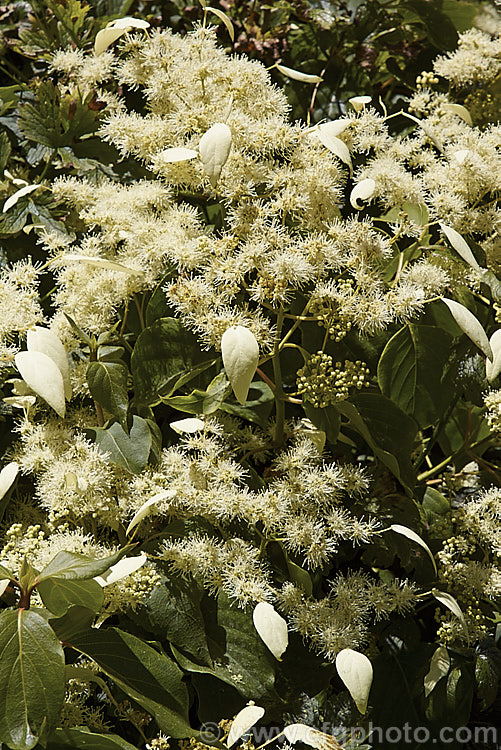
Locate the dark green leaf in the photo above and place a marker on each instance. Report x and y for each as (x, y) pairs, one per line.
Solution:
(466, 425)
(300, 576)
(157, 306)
(459, 691)
(440, 30)
(107, 383)
(257, 407)
(58, 594)
(41, 214)
(111, 353)
(488, 676)
(83, 739)
(392, 694)
(31, 678)
(5, 574)
(96, 151)
(150, 678)
(5, 150)
(128, 451)
(191, 375)
(202, 402)
(55, 118)
(413, 252)
(81, 335)
(9, 97)
(77, 620)
(387, 431)
(73, 566)
(435, 504)
(242, 660)
(462, 14)
(410, 371)
(303, 671)
(71, 15)
(15, 219)
(173, 611)
(439, 315)
(164, 351)
(328, 420)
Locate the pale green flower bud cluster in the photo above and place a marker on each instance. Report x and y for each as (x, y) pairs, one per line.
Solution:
(325, 383)
(483, 105)
(470, 565)
(20, 542)
(327, 312)
(426, 80)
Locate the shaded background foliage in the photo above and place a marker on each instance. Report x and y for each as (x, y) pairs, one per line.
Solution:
(375, 48)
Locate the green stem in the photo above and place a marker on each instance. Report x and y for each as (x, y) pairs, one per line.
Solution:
(426, 474)
(299, 318)
(304, 353)
(140, 313)
(266, 379)
(443, 421)
(277, 372)
(46, 167)
(99, 410)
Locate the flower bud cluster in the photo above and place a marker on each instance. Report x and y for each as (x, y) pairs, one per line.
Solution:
(31, 538)
(328, 315)
(325, 383)
(426, 80)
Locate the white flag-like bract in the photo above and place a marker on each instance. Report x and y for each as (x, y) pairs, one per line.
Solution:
(470, 325)
(462, 155)
(13, 199)
(105, 37)
(45, 341)
(243, 721)
(297, 75)
(7, 477)
(439, 666)
(363, 191)
(95, 262)
(450, 602)
(44, 377)
(14, 180)
(358, 102)
(214, 149)
(224, 18)
(191, 424)
(272, 628)
(179, 153)
(355, 670)
(334, 127)
(145, 508)
(114, 30)
(493, 367)
(460, 246)
(121, 569)
(410, 534)
(459, 111)
(240, 352)
(128, 23)
(334, 144)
